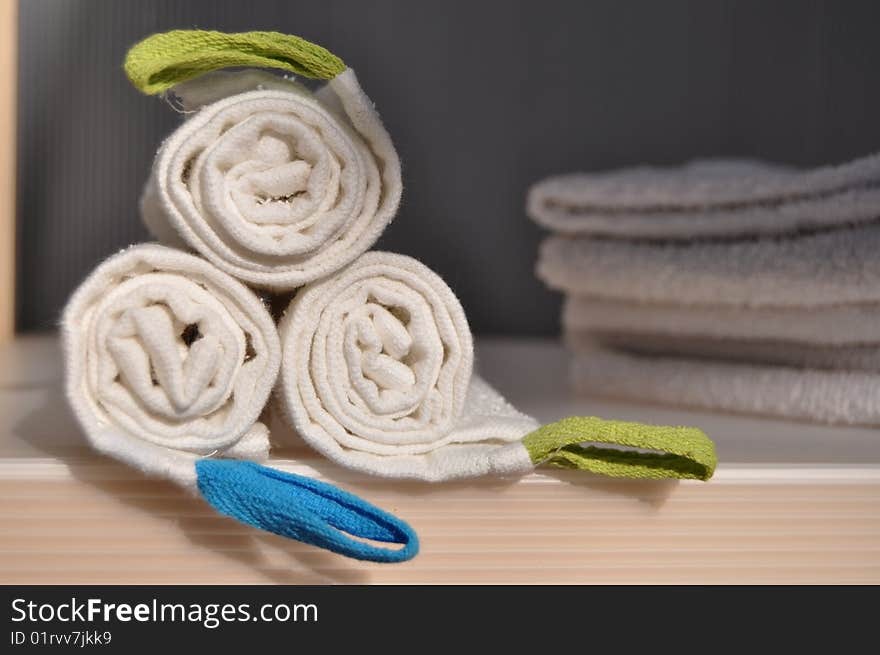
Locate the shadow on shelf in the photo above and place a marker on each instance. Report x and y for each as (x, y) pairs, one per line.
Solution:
(192, 515)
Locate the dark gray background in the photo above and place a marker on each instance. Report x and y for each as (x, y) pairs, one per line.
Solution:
(481, 98)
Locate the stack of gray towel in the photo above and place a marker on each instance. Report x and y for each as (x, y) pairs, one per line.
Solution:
(731, 285)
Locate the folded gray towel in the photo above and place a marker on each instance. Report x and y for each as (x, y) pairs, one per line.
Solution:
(710, 198)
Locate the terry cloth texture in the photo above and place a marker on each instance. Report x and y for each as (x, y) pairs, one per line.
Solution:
(820, 363)
(729, 285)
(712, 198)
(828, 325)
(835, 337)
(168, 360)
(782, 326)
(828, 396)
(804, 270)
(853, 358)
(276, 185)
(377, 375)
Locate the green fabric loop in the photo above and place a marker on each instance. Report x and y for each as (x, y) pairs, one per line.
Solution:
(677, 452)
(162, 60)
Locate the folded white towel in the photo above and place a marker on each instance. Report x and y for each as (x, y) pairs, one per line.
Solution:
(276, 186)
(376, 375)
(806, 270)
(168, 360)
(858, 357)
(831, 325)
(843, 337)
(712, 198)
(845, 397)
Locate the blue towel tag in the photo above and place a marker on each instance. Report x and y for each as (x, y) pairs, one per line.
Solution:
(307, 510)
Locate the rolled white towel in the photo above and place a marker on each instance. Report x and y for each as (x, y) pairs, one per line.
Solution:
(376, 375)
(710, 198)
(169, 360)
(274, 184)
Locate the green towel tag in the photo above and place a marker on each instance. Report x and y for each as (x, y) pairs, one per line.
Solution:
(163, 60)
(675, 452)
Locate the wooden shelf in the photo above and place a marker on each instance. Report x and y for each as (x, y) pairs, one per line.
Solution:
(790, 502)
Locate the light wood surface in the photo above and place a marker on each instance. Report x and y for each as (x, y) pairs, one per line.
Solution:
(790, 503)
(8, 99)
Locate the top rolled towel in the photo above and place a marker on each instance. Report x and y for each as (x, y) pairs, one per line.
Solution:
(273, 184)
(710, 198)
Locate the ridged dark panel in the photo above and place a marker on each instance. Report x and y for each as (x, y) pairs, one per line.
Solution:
(482, 98)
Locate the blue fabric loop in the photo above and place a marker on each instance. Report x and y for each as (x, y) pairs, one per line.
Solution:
(307, 510)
